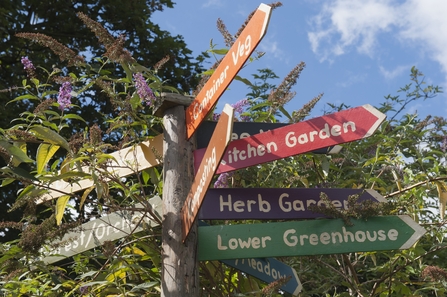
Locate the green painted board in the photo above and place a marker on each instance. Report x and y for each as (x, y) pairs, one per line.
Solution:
(303, 238)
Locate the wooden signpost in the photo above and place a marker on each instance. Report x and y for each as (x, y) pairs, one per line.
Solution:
(247, 247)
(108, 228)
(228, 68)
(247, 129)
(268, 270)
(275, 204)
(304, 238)
(219, 141)
(344, 126)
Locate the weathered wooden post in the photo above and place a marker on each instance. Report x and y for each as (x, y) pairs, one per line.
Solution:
(180, 275)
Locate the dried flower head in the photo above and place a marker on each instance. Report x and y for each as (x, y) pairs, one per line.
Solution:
(4, 154)
(16, 134)
(116, 51)
(44, 105)
(143, 90)
(64, 96)
(275, 4)
(64, 53)
(274, 286)
(101, 33)
(299, 115)
(228, 38)
(434, 273)
(114, 47)
(107, 88)
(161, 63)
(95, 134)
(76, 142)
(282, 94)
(28, 66)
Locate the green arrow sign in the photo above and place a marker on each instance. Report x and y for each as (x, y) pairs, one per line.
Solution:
(302, 238)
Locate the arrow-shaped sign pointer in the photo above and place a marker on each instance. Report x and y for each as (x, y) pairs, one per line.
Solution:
(344, 126)
(227, 69)
(213, 155)
(275, 204)
(305, 238)
(268, 270)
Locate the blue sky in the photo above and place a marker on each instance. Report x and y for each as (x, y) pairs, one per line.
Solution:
(356, 52)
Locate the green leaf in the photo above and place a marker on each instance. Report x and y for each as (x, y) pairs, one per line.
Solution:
(85, 195)
(7, 181)
(69, 175)
(208, 72)
(48, 93)
(24, 97)
(44, 153)
(222, 51)
(35, 81)
(60, 208)
(284, 111)
(145, 176)
(73, 116)
(244, 80)
(16, 152)
(50, 136)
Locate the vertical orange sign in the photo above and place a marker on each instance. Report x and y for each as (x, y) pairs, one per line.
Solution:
(211, 160)
(227, 69)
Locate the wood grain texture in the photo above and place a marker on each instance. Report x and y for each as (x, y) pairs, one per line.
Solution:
(180, 276)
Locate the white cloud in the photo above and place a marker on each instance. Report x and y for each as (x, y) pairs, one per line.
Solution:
(390, 74)
(352, 80)
(215, 3)
(426, 26)
(271, 47)
(344, 25)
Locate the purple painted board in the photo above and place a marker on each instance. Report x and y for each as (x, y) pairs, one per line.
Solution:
(273, 203)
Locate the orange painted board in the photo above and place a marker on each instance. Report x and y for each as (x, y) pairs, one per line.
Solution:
(213, 155)
(227, 69)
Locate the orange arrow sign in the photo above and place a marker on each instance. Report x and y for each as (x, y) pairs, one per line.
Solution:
(227, 69)
(213, 155)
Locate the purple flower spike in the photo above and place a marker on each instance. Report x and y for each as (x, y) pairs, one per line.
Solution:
(28, 66)
(143, 90)
(64, 97)
(239, 106)
(223, 180)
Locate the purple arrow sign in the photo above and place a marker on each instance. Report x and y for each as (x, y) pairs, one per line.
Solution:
(275, 204)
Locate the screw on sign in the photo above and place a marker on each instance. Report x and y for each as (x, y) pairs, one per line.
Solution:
(227, 69)
(213, 155)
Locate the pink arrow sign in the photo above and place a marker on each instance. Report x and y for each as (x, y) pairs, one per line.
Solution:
(341, 127)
